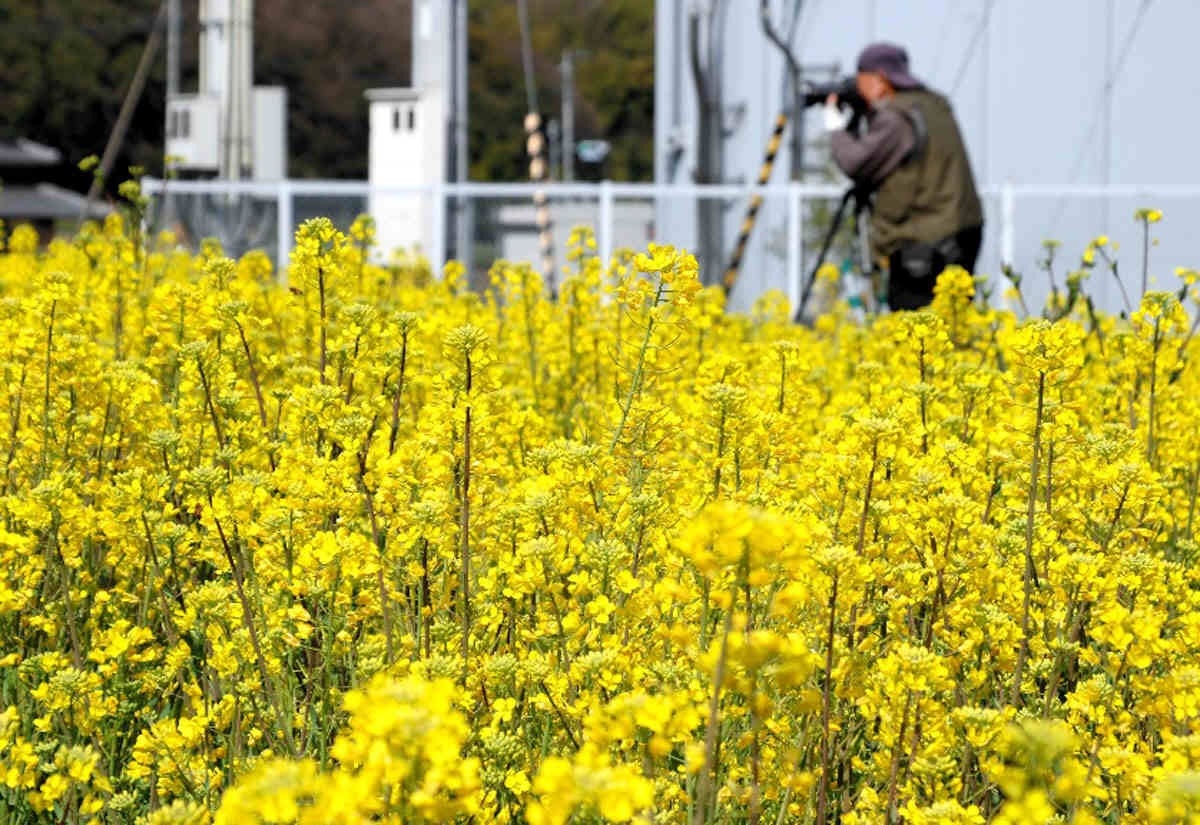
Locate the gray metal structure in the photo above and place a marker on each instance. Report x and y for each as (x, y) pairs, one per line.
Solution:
(719, 85)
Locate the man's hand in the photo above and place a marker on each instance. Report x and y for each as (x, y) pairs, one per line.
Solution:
(835, 118)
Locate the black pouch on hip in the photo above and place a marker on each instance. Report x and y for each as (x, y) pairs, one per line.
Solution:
(918, 260)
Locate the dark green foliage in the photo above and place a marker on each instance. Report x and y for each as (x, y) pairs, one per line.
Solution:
(614, 81)
(68, 64)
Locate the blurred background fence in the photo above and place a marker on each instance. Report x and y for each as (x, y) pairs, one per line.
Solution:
(482, 222)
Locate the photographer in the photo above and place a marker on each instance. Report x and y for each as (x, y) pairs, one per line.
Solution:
(926, 214)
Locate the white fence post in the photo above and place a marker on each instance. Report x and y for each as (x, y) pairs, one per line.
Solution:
(284, 220)
(437, 255)
(152, 188)
(1008, 214)
(604, 231)
(795, 245)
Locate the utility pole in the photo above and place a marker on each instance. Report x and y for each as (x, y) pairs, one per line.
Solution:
(795, 106)
(174, 25)
(173, 31)
(464, 226)
(531, 103)
(233, 46)
(132, 95)
(535, 147)
(244, 32)
(554, 149)
(705, 40)
(567, 69)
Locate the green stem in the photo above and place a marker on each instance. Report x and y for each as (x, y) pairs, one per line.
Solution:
(712, 731)
(861, 539)
(396, 396)
(323, 332)
(1151, 419)
(826, 702)
(530, 335)
(1112, 264)
(258, 396)
(782, 381)
(9, 482)
(380, 539)
(208, 402)
(46, 386)
(1145, 254)
(720, 454)
(464, 528)
(924, 402)
(893, 813)
(1030, 579)
(635, 384)
(426, 608)
(119, 316)
(235, 565)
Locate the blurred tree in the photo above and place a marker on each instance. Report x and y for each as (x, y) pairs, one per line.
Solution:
(327, 53)
(614, 81)
(68, 64)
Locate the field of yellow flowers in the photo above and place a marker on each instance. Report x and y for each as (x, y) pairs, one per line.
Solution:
(370, 547)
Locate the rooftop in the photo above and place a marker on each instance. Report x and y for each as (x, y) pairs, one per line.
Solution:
(23, 152)
(45, 201)
(393, 94)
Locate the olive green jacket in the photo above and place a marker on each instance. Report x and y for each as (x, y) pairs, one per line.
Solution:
(913, 155)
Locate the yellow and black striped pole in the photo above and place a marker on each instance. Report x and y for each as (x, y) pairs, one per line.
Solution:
(535, 146)
(764, 175)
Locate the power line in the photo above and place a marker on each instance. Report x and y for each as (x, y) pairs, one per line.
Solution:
(527, 57)
(793, 26)
(1110, 85)
(970, 53)
(943, 30)
(56, 27)
(132, 95)
(794, 19)
(809, 18)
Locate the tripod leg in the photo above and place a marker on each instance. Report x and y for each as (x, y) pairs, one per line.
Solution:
(866, 264)
(825, 246)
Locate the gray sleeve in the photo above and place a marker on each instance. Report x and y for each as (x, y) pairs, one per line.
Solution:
(876, 154)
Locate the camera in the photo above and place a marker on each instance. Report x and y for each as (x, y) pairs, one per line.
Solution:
(846, 90)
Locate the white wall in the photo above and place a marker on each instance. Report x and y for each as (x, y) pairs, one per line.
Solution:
(194, 134)
(406, 148)
(270, 133)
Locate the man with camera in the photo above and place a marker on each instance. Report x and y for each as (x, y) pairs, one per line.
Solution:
(926, 214)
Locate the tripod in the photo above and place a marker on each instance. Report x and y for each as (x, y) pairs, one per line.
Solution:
(861, 198)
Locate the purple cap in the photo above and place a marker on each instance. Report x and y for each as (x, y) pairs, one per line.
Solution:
(891, 61)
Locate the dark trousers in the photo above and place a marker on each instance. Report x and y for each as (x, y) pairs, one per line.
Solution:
(913, 269)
